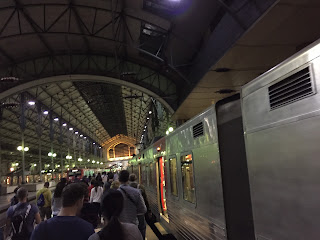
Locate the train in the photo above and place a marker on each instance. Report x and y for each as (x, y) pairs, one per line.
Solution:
(248, 166)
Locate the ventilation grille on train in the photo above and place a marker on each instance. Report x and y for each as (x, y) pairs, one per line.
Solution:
(291, 89)
(197, 130)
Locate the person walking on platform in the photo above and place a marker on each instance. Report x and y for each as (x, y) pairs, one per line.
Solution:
(66, 225)
(109, 181)
(141, 217)
(21, 217)
(133, 201)
(95, 198)
(43, 198)
(14, 200)
(112, 206)
(56, 202)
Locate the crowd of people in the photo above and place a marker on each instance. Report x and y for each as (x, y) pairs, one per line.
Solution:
(116, 203)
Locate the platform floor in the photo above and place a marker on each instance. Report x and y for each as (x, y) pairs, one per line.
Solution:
(150, 234)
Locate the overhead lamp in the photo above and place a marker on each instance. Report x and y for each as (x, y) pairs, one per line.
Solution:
(99, 147)
(31, 103)
(93, 161)
(88, 160)
(64, 124)
(167, 132)
(58, 165)
(98, 162)
(94, 143)
(17, 164)
(50, 154)
(145, 126)
(148, 118)
(26, 149)
(81, 135)
(35, 165)
(85, 137)
(54, 155)
(101, 163)
(11, 169)
(56, 119)
(144, 130)
(71, 129)
(150, 112)
(68, 157)
(45, 112)
(76, 132)
(80, 159)
(170, 129)
(19, 148)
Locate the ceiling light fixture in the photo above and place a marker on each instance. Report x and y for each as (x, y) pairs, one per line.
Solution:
(45, 112)
(56, 119)
(70, 129)
(64, 124)
(32, 103)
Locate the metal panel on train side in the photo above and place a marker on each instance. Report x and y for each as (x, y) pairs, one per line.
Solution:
(204, 219)
(283, 155)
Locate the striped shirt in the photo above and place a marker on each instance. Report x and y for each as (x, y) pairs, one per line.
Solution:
(133, 204)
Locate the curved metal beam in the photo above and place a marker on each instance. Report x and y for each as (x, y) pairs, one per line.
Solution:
(81, 78)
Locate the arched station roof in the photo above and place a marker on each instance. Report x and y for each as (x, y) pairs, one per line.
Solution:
(107, 67)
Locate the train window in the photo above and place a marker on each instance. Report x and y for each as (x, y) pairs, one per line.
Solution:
(173, 176)
(187, 178)
(147, 174)
(151, 174)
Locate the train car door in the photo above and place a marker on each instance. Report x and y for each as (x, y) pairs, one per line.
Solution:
(162, 186)
(139, 174)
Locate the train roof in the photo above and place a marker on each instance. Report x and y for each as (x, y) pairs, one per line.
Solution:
(294, 62)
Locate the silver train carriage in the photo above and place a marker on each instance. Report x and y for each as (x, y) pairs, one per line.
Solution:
(247, 167)
(186, 181)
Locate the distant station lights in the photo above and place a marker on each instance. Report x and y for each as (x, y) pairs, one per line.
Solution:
(169, 130)
(80, 159)
(50, 154)
(25, 149)
(68, 157)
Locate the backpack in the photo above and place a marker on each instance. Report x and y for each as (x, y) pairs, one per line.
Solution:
(18, 223)
(41, 201)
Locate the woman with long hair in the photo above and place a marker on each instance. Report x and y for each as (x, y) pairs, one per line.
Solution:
(95, 198)
(112, 205)
(56, 201)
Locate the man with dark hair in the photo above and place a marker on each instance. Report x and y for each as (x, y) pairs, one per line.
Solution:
(14, 200)
(133, 201)
(21, 217)
(109, 181)
(43, 198)
(66, 225)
